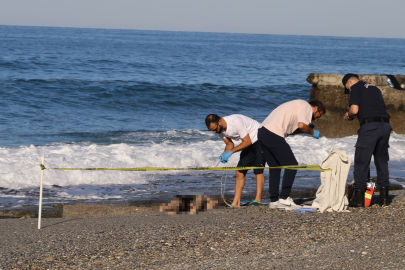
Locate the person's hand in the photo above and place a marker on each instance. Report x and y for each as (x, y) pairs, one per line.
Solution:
(312, 126)
(347, 117)
(317, 134)
(224, 157)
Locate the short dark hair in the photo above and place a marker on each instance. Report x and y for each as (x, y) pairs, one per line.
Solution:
(211, 118)
(315, 103)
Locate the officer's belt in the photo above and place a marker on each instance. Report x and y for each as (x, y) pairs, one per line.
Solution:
(374, 119)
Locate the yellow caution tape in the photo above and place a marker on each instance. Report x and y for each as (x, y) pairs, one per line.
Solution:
(144, 169)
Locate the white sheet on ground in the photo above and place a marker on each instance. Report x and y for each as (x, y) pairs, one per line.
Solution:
(331, 194)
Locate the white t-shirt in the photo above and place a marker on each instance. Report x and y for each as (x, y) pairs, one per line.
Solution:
(238, 126)
(284, 119)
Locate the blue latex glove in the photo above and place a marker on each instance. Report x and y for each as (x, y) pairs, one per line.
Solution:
(316, 134)
(224, 157)
(312, 126)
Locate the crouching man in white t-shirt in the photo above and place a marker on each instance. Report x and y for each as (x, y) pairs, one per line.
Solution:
(240, 127)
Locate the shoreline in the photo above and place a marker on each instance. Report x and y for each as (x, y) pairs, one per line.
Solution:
(55, 210)
(242, 238)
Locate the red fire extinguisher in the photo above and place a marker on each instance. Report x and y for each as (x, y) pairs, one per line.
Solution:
(369, 192)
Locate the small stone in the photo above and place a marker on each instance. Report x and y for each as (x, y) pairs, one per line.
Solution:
(97, 263)
(121, 254)
(351, 250)
(49, 259)
(364, 253)
(400, 245)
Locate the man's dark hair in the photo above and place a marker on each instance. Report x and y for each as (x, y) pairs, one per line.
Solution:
(315, 103)
(211, 118)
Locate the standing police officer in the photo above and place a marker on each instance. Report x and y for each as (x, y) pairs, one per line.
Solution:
(367, 103)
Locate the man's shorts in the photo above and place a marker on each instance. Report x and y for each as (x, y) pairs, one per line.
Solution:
(252, 156)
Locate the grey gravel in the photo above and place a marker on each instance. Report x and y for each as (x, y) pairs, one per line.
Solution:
(245, 238)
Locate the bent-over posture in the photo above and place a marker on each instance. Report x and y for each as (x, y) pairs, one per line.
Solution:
(240, 127)
(292, 117)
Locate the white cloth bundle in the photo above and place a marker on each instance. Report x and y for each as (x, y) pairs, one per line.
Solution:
(331, 194)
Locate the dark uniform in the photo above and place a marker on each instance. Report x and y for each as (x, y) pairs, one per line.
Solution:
(374, 134)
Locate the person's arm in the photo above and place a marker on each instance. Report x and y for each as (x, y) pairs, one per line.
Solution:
(304, 116)
(244, 135)
(228, 144)
(230, 149)
(304, 128)
(227, 152)
(354, 101)
(245, 143)
(351, 114)
(297, 131)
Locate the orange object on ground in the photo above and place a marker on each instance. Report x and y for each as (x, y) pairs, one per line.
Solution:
(369, 193)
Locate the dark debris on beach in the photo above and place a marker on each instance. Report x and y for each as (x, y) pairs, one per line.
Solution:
(245, 238)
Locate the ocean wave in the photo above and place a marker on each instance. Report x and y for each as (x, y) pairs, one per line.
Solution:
(19, 165)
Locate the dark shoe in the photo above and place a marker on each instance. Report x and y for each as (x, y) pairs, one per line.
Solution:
(254, 203)
(383, 198)
(358, 199)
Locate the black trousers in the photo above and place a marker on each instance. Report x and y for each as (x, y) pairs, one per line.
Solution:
(372, 141)
(277, 152)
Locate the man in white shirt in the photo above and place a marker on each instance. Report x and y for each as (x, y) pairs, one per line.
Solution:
(240, 127)
(292, 117)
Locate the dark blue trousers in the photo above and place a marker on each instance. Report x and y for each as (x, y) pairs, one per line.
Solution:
(277, 152)
(372, 141)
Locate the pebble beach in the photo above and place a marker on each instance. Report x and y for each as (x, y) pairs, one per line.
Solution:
(244, 238)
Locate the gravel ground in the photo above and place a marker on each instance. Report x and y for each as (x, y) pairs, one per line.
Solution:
(245, 238)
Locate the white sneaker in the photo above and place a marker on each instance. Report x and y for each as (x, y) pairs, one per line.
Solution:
(273, 205)
(287, 204)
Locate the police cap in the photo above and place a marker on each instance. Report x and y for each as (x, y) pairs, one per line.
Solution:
(346, 78)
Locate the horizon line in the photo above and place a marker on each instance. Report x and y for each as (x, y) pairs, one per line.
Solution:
(188, 31)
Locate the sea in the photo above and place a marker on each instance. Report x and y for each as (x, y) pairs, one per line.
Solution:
(100, 98)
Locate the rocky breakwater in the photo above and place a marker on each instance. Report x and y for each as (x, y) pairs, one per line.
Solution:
(328, 88)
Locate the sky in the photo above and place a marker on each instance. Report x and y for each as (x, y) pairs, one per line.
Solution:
(350, 18)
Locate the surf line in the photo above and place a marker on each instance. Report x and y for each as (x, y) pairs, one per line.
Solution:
(144, 169)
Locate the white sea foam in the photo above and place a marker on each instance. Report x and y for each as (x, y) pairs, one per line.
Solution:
(19, 165)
